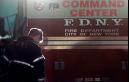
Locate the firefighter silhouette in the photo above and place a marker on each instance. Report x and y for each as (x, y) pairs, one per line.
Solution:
(26, 61)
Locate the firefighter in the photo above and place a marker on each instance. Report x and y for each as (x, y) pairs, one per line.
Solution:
(4, 62)
(26, 58)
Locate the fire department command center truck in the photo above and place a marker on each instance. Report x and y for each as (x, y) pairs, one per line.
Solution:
(85, 40)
